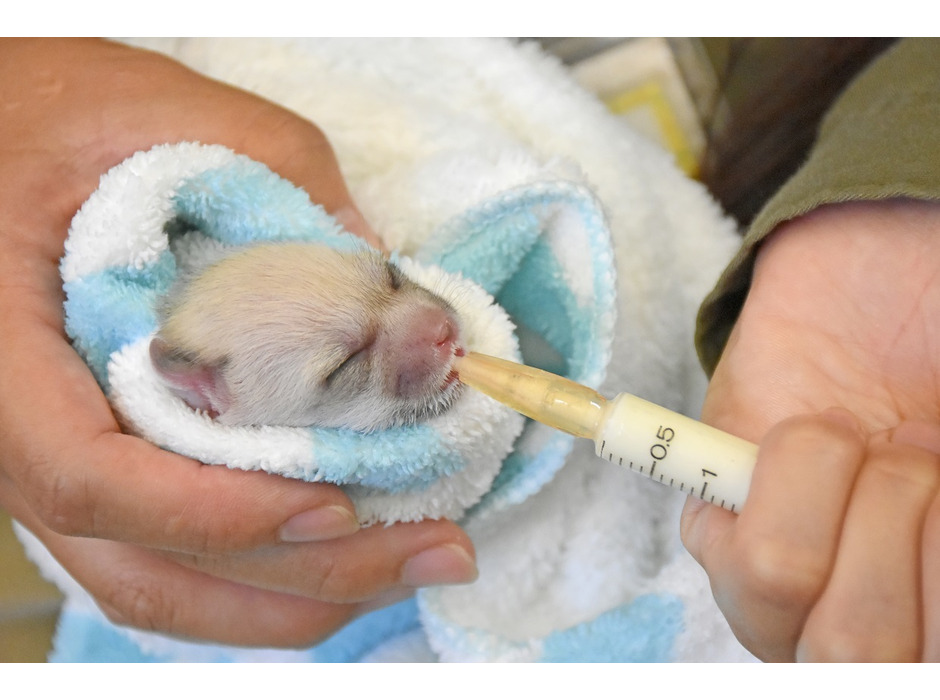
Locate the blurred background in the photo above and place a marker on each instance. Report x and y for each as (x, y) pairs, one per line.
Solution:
(739, 114)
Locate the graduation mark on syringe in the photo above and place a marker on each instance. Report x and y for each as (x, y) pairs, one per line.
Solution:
(627, 430)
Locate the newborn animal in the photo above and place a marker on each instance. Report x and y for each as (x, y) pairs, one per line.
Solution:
(298, 334)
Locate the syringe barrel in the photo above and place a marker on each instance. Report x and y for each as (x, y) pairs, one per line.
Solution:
(677, 451)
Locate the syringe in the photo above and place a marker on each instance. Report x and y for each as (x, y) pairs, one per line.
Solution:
(663, 445)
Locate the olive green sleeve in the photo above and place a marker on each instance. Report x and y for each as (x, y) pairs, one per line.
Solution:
(881, 139)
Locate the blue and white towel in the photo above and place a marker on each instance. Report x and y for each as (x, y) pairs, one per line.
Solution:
(512, 193)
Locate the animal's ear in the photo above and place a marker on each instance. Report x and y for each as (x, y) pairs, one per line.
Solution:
(201, 386)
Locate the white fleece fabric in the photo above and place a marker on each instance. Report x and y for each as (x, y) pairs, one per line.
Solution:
(456, 151)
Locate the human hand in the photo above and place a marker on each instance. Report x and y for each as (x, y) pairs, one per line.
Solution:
(835, 554)
(160, 541)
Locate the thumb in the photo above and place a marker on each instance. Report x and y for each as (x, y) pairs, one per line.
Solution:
(300, 152)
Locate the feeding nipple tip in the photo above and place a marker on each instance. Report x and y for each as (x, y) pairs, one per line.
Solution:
(542, 396)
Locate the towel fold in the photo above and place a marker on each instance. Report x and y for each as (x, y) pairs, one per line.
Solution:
(561, 239)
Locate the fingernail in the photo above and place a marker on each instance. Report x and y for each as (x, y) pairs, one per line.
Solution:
(439, 566)
(326, 523)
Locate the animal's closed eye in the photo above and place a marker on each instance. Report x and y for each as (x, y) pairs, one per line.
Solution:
(357, 353)
(395, 276)
(338, 370)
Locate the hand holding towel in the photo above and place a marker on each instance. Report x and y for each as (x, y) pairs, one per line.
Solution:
(484, 167)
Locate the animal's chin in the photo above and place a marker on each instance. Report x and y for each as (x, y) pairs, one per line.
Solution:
(451, 378)
(447, 388)
(434, 404)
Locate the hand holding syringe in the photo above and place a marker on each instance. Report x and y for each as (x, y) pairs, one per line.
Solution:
(663, 445)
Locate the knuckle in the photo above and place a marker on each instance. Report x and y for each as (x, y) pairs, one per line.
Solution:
(323, 582)
(831, 647)
(197, 530)
(298, 136)
(195, 537)
(908, 467)
(328, 577)
(829, 442)
(836, 644)
(61, 500)
(779, 575)
(133, 600)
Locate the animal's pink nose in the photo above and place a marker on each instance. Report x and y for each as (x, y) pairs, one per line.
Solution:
(428, 348)
(446, 333)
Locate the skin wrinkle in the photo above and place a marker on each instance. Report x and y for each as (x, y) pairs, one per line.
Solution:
(81, 513)
(916, 316)
(894, 364)
(133, 599)
(203, 544)
(293, 160)
(47, 86)
(315, 578)
(56, 503)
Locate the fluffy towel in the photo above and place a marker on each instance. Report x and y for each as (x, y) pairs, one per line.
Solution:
(492, 176)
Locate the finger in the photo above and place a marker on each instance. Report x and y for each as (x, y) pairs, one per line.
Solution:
(140, 588)
(192, 108)
(311, 164)
(290, 145)
(871, 609)
(768, 568)
(703, 526)
(176, 504)
(299, 151)
(927, 436)
(81, 476)
(355, 568)
(930, 553)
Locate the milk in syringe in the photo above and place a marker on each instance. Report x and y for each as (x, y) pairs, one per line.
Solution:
(651, 440)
